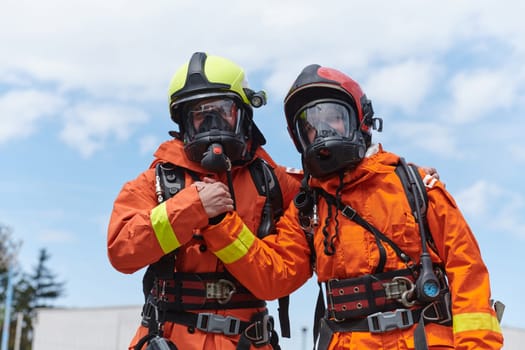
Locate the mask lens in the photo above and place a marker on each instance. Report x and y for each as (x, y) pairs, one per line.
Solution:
(325, 119)
(205, 115)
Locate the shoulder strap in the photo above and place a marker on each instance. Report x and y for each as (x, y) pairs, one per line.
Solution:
(410, 179)
(267, 184)
(169, 180)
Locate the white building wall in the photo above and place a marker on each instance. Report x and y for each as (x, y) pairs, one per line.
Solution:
(112, 329)
(85, 329)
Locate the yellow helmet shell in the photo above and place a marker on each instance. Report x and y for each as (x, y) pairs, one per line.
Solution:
(206, 76)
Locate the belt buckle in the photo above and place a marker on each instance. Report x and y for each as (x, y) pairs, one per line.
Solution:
(222, 290)
(330, 299)
(381, 322)
(213, 323)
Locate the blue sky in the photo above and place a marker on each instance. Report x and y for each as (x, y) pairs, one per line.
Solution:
(83, 104)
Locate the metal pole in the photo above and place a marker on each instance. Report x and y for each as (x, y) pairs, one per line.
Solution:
(19, 326)
(7, 313)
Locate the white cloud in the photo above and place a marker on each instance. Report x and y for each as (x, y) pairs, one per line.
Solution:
(130, 49)
(89, 126)
(404, 85)
(475, 200)
(479, 94)
(127, 51)
(494, 207)
(22, 110)
(429, 137)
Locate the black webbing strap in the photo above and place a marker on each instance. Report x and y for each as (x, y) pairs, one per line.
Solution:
(351, 214)
(320, 310)
(284, 316)
(329, 327)
(260, 332)
(420, 337)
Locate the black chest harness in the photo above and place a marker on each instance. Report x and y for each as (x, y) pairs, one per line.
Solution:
(382, 301)
(178, 296)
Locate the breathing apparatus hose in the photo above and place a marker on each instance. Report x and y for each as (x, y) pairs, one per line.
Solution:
(427, 284)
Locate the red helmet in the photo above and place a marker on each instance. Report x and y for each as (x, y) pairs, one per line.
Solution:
(329, 119)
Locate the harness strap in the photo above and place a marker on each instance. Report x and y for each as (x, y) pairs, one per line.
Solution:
(380, 322)
(258, 331)
(201, 291)
(365, 295)
(352, 214)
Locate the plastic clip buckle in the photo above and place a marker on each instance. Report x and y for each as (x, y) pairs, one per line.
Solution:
(213, 323)
(384, 321)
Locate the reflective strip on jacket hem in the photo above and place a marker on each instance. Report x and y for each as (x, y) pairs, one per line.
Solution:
(163, 230)
(476, 321)
(238, 248)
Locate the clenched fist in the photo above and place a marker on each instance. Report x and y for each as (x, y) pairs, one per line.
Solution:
(215, 196)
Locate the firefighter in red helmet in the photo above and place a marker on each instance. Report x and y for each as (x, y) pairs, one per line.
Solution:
(400, 266)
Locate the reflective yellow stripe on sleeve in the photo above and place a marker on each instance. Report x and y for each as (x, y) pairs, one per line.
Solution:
(163, 230)
(475, 321)
(238, 248)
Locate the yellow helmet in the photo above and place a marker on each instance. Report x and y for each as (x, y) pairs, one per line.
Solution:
(207, 77)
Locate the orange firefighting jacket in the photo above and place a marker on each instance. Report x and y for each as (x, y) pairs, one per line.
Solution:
(141, 231)
(277, 265)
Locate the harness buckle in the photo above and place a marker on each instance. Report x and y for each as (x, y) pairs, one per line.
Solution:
(401, 289)
(439, 310)
(330, 297)
(222, 290)
(349, 212)
(260, 332)
(381, 322)
(213, 323)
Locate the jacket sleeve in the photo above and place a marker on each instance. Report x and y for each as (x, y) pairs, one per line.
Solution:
(270, 268)
(475, 325)
(141, 231)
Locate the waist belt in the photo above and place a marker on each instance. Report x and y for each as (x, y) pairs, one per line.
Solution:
(380, 322)
(369, 294)
(199, 291)
(257, 331)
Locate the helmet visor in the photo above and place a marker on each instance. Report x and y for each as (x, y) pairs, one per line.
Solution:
(325, 119)
(221, 114)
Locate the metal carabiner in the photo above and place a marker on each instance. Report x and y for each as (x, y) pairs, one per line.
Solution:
(402, 290)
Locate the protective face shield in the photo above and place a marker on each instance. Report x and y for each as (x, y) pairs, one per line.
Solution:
(211, 114)
(324, 119)
(214, 121)
(329, 135)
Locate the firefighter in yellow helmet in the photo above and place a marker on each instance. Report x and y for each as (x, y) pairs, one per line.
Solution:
(214, 163)
(396, 275)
